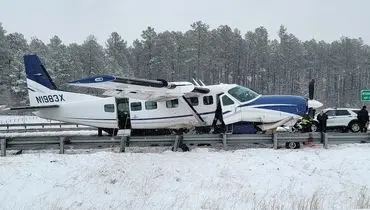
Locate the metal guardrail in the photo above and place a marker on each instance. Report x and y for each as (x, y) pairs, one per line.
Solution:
(63, 142)
(25, 127)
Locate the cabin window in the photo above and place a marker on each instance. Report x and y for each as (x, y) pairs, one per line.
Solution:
(193, 101)
(172, 103)
(342, 112)
(109, 107)
(150, 105)
(135, 106)
(207, 100)
(330, 113)
(227, 101)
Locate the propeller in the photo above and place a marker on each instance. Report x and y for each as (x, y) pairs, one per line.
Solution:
(311, 89)
(312, 103)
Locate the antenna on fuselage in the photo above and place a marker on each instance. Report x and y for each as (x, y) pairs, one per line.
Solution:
(201, 82)
(195, 82)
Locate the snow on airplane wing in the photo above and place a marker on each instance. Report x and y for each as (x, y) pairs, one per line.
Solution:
(155, 90)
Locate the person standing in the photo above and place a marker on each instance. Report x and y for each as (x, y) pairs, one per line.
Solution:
(218, 117)
(322, 117)
(363, 118)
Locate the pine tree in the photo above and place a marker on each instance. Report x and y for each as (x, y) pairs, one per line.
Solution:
(149, 52)
(5, 66)
(59, 63)
(117, 56)
(16, 74)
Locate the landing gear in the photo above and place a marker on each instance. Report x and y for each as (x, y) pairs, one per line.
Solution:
(292, 145)
(183, 147)
(110, 131)
(179, 135)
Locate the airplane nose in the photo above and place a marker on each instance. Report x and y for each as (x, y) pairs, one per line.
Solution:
(291, 104)
(314, 104)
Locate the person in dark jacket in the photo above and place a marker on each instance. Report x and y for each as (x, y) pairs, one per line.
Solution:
(322, 118)
(218, 117)
(363, 118)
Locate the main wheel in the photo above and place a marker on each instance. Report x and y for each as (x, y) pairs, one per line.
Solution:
(292, 145)
(354, 126)
(315, 126)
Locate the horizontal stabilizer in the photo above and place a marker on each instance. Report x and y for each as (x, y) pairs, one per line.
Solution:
(30, 107)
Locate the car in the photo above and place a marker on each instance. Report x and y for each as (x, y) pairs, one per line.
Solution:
(344, 119)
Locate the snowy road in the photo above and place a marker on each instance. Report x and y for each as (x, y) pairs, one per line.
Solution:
(200, 179)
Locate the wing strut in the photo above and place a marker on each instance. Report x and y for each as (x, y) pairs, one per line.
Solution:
(194, 112)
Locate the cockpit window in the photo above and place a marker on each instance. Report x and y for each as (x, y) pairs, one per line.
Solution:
(242, 94)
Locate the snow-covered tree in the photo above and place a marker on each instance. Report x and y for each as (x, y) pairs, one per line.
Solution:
(5, 63)
(38, 47)
(149, 52)
(199, 47)
(93, 58)
(117, 56)
(16, 74)
(59, 62)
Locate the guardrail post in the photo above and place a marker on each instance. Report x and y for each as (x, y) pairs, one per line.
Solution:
(61, 145)
(122, 145)
(177, 142)
(3, 147)
(274, 139)
(324, 139)
(224, 140)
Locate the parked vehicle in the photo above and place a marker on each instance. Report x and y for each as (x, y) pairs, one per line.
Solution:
(344, 119)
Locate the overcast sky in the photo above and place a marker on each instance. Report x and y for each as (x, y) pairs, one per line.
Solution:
(74, 20)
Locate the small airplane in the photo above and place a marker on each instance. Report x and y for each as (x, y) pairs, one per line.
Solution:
(158, 104)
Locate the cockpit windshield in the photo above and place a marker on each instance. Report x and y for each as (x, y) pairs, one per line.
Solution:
(242, 94)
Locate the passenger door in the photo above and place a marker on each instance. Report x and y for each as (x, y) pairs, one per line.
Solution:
(331, 118)
(343, 117)
(123, 113)
(230, 110)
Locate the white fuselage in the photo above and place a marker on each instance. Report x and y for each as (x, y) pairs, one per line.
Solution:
(102, 112)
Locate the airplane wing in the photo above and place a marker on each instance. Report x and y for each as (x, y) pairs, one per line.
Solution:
(155, 90)
(29, 107)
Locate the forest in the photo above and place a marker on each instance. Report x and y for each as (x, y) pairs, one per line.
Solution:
(341, 69)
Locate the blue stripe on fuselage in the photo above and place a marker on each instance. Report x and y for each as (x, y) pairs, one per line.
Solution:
(284, 103)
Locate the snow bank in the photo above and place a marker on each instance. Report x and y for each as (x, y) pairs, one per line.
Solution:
(200, 179)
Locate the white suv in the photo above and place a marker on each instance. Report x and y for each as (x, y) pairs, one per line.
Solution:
(344, 119)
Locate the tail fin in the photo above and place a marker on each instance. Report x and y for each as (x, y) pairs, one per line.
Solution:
(36, 72)
(41, 88)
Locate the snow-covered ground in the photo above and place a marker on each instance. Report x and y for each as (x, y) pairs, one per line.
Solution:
(310, 178)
